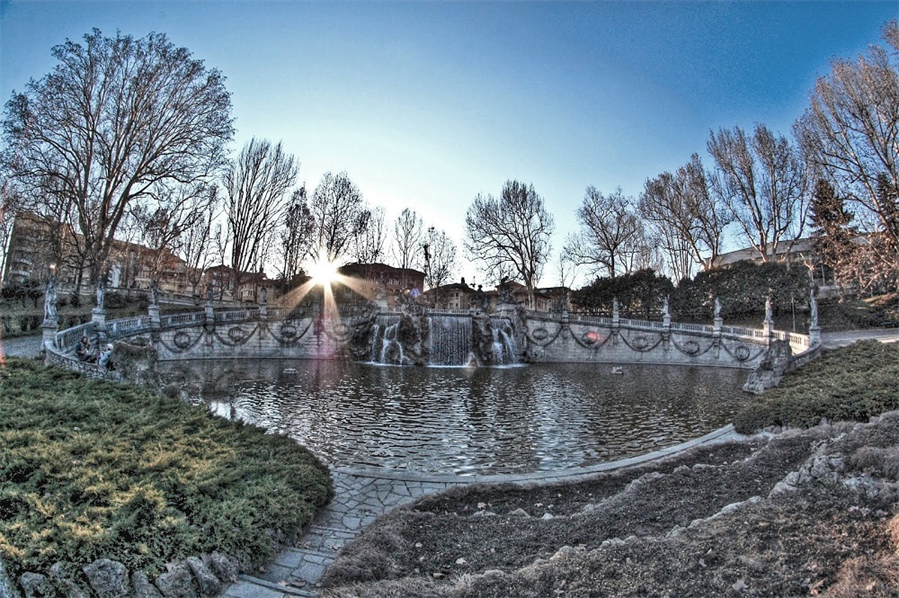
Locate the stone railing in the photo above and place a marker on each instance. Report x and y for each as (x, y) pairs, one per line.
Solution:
(259, 331)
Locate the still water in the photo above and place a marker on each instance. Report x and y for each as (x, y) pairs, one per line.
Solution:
(469, 420)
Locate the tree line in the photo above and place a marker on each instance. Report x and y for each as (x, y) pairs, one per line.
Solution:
(126, 139)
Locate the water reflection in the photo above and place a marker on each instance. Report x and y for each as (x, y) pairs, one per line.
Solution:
(466, 421)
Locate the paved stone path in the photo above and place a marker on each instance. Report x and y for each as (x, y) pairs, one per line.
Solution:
(361, 496)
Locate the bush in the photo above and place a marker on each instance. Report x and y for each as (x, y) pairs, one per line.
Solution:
(851, 383)
(640, 293)
(92, 469)
(742, 289)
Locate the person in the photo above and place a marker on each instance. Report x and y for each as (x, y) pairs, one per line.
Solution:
(84, 349)
(106, 358)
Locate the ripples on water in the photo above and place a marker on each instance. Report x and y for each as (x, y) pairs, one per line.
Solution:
(471, 420)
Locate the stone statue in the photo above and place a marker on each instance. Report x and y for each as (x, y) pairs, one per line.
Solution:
(614, 307)
(665, 311)
(154, 292)
(263, 296)
(717, 308)
(209, 294)
(50, 300)
(101, 292)
(813, 305)
(769, 314)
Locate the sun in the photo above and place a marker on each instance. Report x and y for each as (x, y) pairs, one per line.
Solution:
(323, 272)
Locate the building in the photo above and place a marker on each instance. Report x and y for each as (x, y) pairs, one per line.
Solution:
(34, 245)
(390, 281)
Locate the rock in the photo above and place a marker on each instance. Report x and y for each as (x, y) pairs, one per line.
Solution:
(208, 583)
(771, 369)
(142, 586)
(109, 579)
(69, 588)
(35, 585)
(7, 590)
(547, 516)
(224, 567)
(177, 582)
(519, 512)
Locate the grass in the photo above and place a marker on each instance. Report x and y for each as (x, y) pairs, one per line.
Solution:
(92, 469)
(851, 383)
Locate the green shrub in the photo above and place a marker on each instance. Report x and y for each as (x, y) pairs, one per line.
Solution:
(851, 383)
(91, 469)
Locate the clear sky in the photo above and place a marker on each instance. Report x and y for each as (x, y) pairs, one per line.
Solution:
(426, 104)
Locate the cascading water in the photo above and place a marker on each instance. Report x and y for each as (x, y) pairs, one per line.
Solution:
(385, 346)
(505, 349)
(449, 340)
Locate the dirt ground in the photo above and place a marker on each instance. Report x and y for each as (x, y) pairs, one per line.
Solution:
(792, 514)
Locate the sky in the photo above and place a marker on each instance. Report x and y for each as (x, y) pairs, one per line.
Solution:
(427, 104)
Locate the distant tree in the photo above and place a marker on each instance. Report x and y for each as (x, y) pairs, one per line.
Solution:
(762, 180)
(256, 183)
(832, 233)
(114, 119)
(195, 243)
(296, 235)
(511, 232)
(339, 214)
(688, 221)
(407, 239)
(849, 131)
(609, 229)
(371, 235)
(440, 258)
(167, 214)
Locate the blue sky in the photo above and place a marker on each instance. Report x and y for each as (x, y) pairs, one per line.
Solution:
(426, 104)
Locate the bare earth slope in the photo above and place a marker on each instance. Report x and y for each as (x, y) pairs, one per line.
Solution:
(795, 514)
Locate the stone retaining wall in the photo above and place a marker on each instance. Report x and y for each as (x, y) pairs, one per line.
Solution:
(249, 334)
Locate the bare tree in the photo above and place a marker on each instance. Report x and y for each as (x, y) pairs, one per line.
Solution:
(510, 232)
(407, 239)
(114, 118)
(689, 223)
(173, 210)
(296, 235)
(255, 184)
(763, 183)
(195, 243)
(609, 228)
(371, 235)
(849, 131)
(338, 211)
(440, 258)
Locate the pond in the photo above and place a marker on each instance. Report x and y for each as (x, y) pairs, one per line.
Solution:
(466, 421)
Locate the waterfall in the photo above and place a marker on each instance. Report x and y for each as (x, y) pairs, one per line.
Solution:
(505, 349)
(449, 340)
(384, 345)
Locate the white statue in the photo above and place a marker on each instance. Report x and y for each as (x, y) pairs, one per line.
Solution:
(813, 305)
(717, 308)
(50, 300)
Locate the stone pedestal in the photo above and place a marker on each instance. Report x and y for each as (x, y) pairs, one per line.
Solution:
(98, 317)
(814, 336)
(155, 325)
(49, 329)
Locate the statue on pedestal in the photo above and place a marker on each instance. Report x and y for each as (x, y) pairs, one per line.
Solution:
(50, 295)
(154, 292)
(101, 292)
